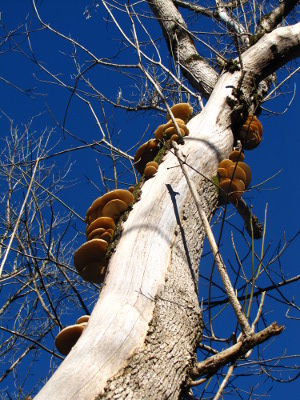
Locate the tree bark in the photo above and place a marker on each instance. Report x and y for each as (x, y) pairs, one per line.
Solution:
(142, 335)
(181, 46)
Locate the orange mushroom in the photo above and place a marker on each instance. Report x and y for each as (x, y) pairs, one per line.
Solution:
(90, 262)
(232, 188)
(101, 222)
(68, 337)
(114, 208)
(83, 318)
(236, 156)
(235, 176)
(144, 154)
(182, 111)
(150, 169)
(250, 133)
(96, 209)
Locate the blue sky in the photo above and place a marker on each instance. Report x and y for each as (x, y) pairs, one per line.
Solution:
(277, 152)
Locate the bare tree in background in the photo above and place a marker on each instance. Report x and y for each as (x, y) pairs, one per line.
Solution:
(151, 334)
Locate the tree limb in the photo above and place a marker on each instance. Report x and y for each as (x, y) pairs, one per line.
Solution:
(272, 51)
(238, 350)
(181, 46)
(269, 21)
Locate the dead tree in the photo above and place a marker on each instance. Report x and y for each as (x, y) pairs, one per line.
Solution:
(144, 331)
(142, 339)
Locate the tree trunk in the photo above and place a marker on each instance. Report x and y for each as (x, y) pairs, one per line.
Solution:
(142, 335)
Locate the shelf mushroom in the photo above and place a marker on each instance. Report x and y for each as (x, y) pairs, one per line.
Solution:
(168, 130)
(83, 319)
(90, 262)
(102, 207)
(235, 176)
(150, 169)
(182, 111)
(144, 154)
(250, 133)
(67, 337)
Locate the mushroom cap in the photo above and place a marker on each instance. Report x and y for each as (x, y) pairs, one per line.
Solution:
(114, 208)
(100, 233)
(234, 188)
(68, 337)
(174, 138)
(182, 111)
(255, 121)
(150, 170)
(173, 131)
(171, 123)
(144, 154)
(251, 141)
(235, 172)
(181, 125)
(236, 156)
(222, 172)
(90, 252)
(158, 133)
(247, 171)
(152, 164)
(83, 318)
(131, 189)
(96, 232)
(251, 133)
(226, 163)
(94, 272)
(101, 222)
(99, 203)
(106, 236)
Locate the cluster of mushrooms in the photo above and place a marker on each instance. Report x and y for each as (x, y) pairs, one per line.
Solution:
(163, 136)
(90, 259)
(234, 174)
(250, 133)
(68, 336)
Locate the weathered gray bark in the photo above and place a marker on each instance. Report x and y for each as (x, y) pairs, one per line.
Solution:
(141, 337)
(181, 45)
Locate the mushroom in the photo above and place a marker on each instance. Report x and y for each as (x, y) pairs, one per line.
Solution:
(181, 125)
(101, 222)
(235, 172)
(144, 154)
(222, 172)
(232, 188)
(235, 176)
(83, 318)
(100, 233)
(150, 169)
(251, 132)
(226, 163)
(114, 208)
(97, 206)
(158, 133)
(90, 262)
(68, 337)
(247, 171)
(182, 111)
(94, 272)
(236, 156)
(173, 131)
